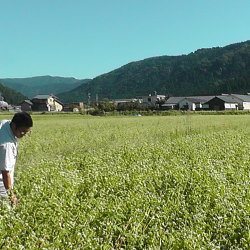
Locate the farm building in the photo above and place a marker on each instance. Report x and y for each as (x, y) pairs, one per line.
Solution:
(223, 102)
(243, 101)
(191, 103)
(26, 105)
(172, 103)
(188, 103)
(152, 99)
(46, 103)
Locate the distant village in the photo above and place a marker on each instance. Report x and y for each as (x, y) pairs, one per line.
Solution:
(51, 103)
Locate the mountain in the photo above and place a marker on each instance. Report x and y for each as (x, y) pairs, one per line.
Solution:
(208, 71)
(11, 96)
(42, 84)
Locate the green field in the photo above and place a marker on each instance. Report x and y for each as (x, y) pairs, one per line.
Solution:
(176, 182)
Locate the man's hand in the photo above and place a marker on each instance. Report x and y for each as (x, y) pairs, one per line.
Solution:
(14, 201)
(8, 186)
(12, 197)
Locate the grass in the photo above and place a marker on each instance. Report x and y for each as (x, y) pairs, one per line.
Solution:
(175, 182)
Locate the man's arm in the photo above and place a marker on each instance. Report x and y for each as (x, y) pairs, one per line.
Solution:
(8, 186)
(6, 180)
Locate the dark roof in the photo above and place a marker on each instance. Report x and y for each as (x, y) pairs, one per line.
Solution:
(28, 101)
(244, 98)
(174, 100)
(42, 97)
(201, 99)
(45, 97)
(227, 98)
(194, 100)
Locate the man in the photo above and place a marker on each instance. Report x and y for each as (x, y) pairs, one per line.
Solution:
(10, 132)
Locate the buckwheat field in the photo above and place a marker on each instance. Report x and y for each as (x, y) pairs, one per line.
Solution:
(176, 182)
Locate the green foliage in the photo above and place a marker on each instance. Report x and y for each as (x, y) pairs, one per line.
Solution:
(106, 106)
(11, 96)
(173, 182)
(131, 106)
(204, 72)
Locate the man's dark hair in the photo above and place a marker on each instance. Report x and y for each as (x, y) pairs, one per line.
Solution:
(22, 119)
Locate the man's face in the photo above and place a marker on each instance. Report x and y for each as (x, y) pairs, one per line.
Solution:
(22, 131)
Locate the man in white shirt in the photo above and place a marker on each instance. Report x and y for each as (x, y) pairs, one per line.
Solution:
(10, 132)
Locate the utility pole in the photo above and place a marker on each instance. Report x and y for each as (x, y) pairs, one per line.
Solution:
(96, 99)
(89, 95)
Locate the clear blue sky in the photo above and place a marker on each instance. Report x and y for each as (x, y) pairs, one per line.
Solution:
(86, 38)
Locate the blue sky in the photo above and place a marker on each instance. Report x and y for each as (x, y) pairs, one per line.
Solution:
(87, 38)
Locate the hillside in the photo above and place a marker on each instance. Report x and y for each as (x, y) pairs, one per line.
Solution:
(11, 96)
(204, 72)
(32, 86)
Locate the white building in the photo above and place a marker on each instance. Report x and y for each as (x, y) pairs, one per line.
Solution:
(243, 101)
(152, 99)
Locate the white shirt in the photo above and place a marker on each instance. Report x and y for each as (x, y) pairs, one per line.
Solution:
(8, 153)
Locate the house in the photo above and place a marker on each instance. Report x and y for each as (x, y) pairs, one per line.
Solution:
(243, 101)
(172, 103)
(191, 103)
(152, 99)
(187, 103)
(223, 102)
(46, 103)
(26, 105)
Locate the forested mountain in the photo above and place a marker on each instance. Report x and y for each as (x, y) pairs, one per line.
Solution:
(203, 72)
(11, 96)
(32, 86)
